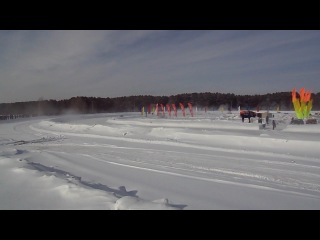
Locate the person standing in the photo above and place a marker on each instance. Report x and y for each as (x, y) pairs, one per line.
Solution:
(273, 124)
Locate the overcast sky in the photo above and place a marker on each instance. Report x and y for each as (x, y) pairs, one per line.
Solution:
(60, 64)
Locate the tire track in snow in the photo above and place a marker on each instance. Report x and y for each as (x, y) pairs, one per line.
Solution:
(251, 185)
(258, 171)
(177, 144)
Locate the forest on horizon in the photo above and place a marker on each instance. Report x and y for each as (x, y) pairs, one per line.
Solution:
(281, 101)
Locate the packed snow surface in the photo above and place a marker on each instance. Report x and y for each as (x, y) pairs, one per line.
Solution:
(131, 161)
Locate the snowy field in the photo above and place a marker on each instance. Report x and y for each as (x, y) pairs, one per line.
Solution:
(127, 161)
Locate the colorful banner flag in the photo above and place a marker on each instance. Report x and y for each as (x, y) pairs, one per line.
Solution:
(182, 108)
(302, 106)
(174, 109)
(169, 109)
(156, 110)
(190, 108)
(162, 108)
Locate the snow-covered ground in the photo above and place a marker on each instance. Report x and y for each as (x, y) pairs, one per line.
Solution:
(127, 161)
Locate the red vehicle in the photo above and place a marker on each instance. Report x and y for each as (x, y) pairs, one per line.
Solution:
(247, 114)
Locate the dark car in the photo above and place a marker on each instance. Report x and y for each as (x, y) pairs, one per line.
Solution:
(311, 121)
(297, 121)
(247, 114)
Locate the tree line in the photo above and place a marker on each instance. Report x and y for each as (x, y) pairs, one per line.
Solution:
(210, 101)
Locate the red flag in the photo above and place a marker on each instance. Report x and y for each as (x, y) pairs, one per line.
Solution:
(162, 108)
(190, 108)
(182, 108)
(169, 109)
(156, 111)
(174, 109)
